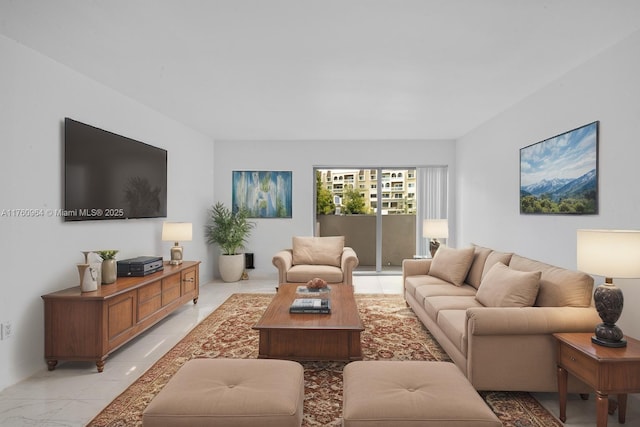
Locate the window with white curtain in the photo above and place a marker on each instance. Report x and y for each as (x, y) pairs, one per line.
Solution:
(431, 200)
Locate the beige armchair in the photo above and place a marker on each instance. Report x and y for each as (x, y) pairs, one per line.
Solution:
(310, 257)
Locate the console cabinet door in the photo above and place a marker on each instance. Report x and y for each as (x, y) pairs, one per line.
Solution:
(170, 289)
(189, 281)
(149, 300)
(73, 330)
(121, 318)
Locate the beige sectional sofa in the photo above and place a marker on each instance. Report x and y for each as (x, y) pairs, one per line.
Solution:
(494, 314)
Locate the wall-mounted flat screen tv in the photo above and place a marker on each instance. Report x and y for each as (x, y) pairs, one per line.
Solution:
(109, 176)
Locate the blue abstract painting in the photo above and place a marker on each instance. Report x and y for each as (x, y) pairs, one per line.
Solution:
(265, 194)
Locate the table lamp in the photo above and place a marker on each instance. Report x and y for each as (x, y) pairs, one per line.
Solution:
(435, 229)
(609, 253)
(175, 232)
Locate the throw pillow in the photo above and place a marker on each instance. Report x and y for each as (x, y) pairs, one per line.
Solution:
(559, 287)
(495, 257)
(475, 271)
(318, 250)
(451, 264)
(505, 287)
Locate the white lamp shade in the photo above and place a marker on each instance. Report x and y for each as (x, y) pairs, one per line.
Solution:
(435, 228)
(177, 231)
(609, 253)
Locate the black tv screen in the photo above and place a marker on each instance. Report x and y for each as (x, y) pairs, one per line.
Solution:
(108, 176)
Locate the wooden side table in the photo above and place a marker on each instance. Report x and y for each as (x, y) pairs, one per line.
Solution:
(607, 370)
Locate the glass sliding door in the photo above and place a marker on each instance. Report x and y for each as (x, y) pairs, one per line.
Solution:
(343, 208)
(374, 208)
(396, 218)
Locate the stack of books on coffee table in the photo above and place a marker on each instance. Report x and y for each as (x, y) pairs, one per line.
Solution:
(311, 305)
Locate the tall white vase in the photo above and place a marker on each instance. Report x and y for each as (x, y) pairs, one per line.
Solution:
(88, 277)
(231, 267)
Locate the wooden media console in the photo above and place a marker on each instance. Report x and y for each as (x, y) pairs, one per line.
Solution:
(89, 326)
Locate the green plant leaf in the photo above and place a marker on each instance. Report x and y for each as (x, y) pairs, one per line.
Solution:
(107, 254)
(228, 230)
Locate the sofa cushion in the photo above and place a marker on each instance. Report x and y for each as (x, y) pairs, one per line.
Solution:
(304, 273)
(480, 255)
(454, 325)
(559, 287)
(318, 250)
(451, 264)
(434, 305)
(445, 289)
(494, 258)
(505, 287)
(413, 283)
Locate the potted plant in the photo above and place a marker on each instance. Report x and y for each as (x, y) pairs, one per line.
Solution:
(230, 231)
(109, 270)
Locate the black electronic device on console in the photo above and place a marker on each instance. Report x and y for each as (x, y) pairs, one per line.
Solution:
(140, 266)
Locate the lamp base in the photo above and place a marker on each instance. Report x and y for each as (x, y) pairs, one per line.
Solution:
(433, 247)
(176, 255)
(607, 343)
(608, 335)
(608, 300)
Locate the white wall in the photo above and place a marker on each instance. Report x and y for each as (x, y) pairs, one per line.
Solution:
(300, 157)
(606, 89)
(39, 255)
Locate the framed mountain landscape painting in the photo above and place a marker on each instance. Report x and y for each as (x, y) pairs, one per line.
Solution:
(560, 175)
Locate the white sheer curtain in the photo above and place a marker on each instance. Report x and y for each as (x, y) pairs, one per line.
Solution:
(432, 200)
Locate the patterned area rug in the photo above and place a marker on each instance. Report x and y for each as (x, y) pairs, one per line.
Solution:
(392, 332)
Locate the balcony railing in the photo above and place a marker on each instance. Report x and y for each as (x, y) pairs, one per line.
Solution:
(398, 236)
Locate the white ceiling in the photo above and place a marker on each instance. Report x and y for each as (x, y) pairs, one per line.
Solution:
(323, 69)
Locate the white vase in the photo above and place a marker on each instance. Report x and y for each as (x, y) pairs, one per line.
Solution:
(88, 277)
(231, 267)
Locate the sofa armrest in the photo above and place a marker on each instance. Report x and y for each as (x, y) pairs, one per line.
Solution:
(415, 267)
(348, 263)
(283, 260)
(530, 320)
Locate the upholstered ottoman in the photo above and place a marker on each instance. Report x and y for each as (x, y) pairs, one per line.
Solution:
(230, 392)
(412, 393)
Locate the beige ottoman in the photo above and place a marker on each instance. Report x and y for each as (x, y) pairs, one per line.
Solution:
(230, 392)
(411, 393)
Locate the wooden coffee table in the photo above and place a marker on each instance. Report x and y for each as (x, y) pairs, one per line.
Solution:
(334, 336)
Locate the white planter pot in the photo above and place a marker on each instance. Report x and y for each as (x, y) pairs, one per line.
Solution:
(231, 267)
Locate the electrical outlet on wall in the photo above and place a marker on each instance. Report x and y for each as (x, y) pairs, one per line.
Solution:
(6, 330)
